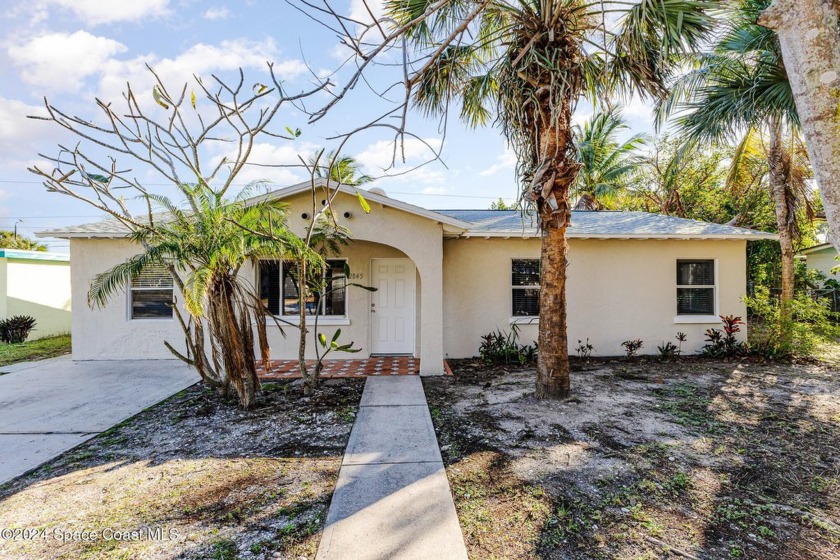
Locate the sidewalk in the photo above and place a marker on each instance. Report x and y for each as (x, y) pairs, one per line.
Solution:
(392, 499)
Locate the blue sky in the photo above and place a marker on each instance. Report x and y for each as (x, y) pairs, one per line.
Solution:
(73, 51)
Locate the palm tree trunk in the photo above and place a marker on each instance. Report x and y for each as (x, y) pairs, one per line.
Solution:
(237, 357)
(784, 220)
(810, 40)
(553, 357)
(555, 147)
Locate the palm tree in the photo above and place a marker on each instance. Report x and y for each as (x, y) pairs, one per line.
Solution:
(527, 63)
(10, 240)
(204, 248)
(740, 91)
(607, 163)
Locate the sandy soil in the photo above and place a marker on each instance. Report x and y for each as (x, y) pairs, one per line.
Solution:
(691, 459)
(194, 477)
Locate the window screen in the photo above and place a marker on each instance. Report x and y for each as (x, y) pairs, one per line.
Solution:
(696, 287)
(279, 289)
(525, 280)
(151, 294)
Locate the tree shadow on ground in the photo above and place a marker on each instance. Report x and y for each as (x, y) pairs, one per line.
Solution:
(714, 458)
(224, 479)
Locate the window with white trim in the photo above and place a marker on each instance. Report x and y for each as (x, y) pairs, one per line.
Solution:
(150, 294)
(279, 289)
(695, 287)
(525, 287)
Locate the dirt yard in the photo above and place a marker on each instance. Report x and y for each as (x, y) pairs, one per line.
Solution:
(690, 459)
(192, 478)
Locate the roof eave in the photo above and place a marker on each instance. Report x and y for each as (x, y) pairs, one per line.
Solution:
(816, 248)
(570, 235)
(78, 235)
(371, 197)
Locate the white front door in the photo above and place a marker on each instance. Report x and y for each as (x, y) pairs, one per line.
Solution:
(392, 306)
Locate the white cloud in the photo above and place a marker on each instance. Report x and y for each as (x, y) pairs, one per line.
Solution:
(637, 109)
(15, 127)
(579, 118)
(216, 13)
(288, 169)
(505, 161)
(201, 59)
(359, 10)
(62, 61)
(21, 137)
(379, 156)
(95, 12)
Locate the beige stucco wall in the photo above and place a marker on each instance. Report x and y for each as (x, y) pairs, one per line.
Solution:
(384, 233)
(617, 290)
(824, 261)
(418, 238)
(356, 327)
(107, 333)
(40, 289)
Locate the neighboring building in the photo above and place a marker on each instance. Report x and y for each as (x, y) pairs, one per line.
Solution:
(37, 284)
(822, 258)
(445, 278)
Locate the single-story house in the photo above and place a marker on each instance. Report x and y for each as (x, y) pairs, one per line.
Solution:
(444, 278)
(822, 258)
(36, 283)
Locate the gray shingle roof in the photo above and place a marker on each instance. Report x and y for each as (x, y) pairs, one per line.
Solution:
(510, 223)
(105, 228)
(601, 224)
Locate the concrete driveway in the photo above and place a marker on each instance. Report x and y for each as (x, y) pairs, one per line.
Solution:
(51, 406)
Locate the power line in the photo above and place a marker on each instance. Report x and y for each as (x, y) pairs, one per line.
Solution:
(245, 185)
(45, 217)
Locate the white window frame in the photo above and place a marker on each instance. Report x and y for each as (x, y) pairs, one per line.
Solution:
(522, 319)
(700, 319)
(130, 302)
(322, 319)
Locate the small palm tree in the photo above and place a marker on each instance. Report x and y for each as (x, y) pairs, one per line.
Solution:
(607, 163)
(525, 64)
(740, 92)
(204, 248)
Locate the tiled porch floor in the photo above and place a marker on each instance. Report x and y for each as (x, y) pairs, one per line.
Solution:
(375, 366)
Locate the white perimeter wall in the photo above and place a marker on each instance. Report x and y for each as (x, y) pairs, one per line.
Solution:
(40, 289)
(617, 290)
(824, 261)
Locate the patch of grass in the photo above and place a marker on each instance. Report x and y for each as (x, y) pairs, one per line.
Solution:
(347, 414)
(40, 349)
(223, 549)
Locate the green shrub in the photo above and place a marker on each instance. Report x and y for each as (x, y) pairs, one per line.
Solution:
(15, 330)
(724, 343)
(500, 348)
(632, 346)
(812, 324)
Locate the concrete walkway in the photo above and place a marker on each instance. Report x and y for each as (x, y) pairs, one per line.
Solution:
(392, 499)
(50, 406)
